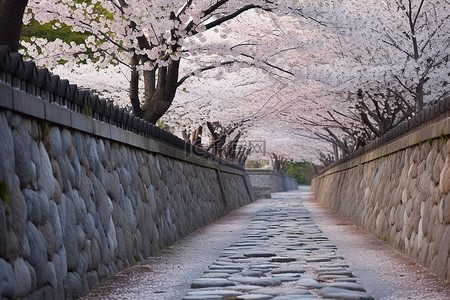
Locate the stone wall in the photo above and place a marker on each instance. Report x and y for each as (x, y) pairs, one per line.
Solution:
(399, 192)
(82, 199)
(267, 181)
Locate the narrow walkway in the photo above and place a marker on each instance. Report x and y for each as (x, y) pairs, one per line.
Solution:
(282, 255)
(287, 247)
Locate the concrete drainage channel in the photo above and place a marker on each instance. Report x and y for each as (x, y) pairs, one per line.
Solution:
(282, 255)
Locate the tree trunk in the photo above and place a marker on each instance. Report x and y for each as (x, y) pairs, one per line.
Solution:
(419, 95)
(197, 136)
(134, 87)
(11, 14)
(149, 84)
(158, 104)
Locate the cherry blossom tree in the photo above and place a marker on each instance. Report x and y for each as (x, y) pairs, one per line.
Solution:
(150, 38)
(280, 63)
(421, 37)
(261, 50)
(372, 116)
(399, 45)
(397, 53)
(279, 162)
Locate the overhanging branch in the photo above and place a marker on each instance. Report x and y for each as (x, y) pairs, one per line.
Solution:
(185, 77)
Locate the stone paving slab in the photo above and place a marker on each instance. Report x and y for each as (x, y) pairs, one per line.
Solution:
(281, 255)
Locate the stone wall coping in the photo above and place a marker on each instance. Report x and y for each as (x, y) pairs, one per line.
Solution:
(423, 134)
(257, 171)
(19, 101)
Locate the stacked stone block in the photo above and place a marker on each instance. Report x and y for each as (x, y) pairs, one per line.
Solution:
(267, 181)
(402, 198)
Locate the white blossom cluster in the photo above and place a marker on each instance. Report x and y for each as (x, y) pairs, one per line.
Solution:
(288, 59)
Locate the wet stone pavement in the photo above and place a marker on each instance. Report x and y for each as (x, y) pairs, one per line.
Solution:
(282, 255)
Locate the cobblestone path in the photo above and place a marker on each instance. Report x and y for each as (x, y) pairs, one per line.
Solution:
(282, 255)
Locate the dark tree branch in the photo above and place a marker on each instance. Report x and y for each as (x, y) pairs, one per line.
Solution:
(270, 65)
(214, 7)
(185, 77)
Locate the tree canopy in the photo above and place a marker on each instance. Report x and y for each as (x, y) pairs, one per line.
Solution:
(278, 64)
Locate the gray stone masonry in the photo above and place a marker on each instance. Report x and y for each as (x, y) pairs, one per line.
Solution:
(399, 193)
(267, 181)
(78, 207)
